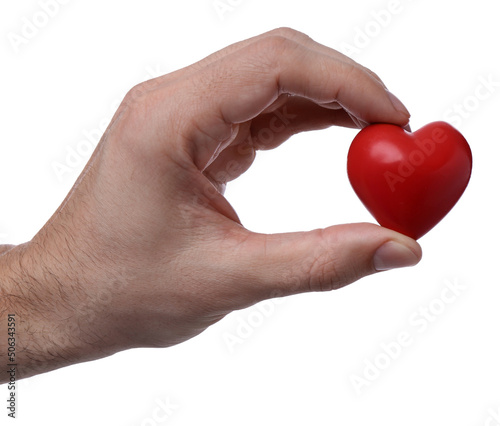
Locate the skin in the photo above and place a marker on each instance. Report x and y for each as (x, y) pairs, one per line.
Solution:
(145, 251)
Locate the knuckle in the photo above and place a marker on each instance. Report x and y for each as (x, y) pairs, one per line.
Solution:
(139, 104)
(323, 275)
(134, 128)
(134, 106)
(274, 46)
(142, 94)
(329, 267)
(131, 116)
(373, 75)
(290, 34)
(351, 71)
(135, 94)
(348, 76)
(286, 32)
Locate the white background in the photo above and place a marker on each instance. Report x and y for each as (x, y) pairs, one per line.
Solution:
(295, 364)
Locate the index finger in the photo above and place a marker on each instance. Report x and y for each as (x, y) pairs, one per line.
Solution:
(288, 33)
(240, 85)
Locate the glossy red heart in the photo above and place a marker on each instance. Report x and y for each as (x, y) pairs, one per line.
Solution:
(409, 181)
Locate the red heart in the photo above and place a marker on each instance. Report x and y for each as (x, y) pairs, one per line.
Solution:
(409, 181)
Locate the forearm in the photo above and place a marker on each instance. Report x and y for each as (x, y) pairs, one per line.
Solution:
(52, 316)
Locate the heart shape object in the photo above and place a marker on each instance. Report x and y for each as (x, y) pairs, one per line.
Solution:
(409, 181)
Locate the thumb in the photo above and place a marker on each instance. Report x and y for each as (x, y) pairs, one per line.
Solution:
(325, 259)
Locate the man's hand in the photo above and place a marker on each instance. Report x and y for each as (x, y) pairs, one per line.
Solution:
(145, 251)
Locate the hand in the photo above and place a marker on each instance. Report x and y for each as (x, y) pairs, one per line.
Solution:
(145, 251)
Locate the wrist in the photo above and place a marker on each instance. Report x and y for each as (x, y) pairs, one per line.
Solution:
(53, 311)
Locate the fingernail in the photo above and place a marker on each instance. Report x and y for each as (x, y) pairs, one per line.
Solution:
(407, 128)
(392, 255)
(397, 104)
